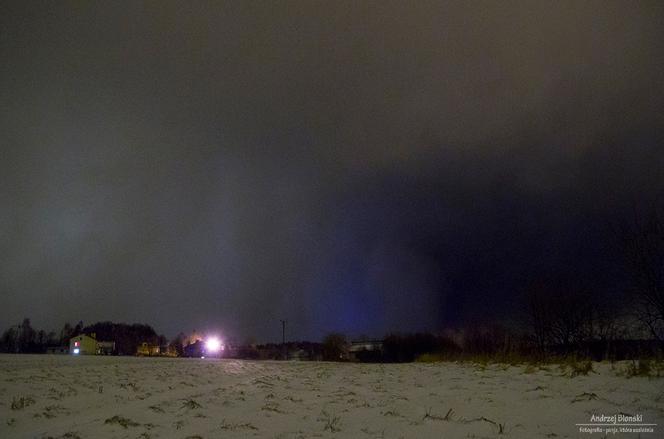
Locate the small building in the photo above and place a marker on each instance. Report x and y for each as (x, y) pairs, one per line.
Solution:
(57, 350)
(84, 344)
(105, 347)
(366, 351)
(148, 350)
(168, 351)
(298, 355)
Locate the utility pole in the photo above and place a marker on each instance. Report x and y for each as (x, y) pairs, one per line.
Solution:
(283, 339)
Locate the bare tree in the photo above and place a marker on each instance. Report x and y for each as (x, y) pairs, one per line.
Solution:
(9, 340)
(177, 344)
(66, 334)
(334, 347)
(559, 317)
(572, 317)
(643, 248)
(538, 319)
(27, 336)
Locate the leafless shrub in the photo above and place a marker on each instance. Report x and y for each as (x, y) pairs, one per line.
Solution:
(124, 422)
(332, 422)
(236, 426)
(21, 402)
(190, 404)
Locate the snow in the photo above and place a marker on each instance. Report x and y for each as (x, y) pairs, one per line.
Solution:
(124, 397)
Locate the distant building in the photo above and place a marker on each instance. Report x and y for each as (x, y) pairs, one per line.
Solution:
(369, 350)
(298, 355)
(60, 350)
(365, 345)
(193, 338)
(84, 344)
(168, 351)
(196, 349)
(105, 347)
(148, 350)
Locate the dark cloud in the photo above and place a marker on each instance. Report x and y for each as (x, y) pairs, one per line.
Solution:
(359, 167)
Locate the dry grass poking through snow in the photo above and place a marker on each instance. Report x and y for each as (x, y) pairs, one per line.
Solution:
(121, 397)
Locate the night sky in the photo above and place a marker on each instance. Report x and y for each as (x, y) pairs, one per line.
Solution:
(362, 167)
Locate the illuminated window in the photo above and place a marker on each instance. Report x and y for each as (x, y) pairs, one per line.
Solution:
(76, 343)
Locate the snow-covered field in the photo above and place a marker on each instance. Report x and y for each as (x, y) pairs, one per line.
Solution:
(122, 397)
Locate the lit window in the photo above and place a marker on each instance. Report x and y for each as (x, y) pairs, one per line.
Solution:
(76, 343)
(76, 351)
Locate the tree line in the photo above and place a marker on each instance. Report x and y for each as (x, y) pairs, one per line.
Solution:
(23, 338)
(557, 318)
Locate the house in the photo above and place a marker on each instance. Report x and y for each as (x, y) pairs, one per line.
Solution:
(193, 338)
(196, 349)
(84, 344)
(148, 350)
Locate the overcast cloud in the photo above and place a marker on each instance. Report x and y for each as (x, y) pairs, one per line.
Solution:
(352, 166)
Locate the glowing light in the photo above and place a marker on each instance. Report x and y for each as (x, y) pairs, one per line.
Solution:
(76, 351)
(213, 344)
